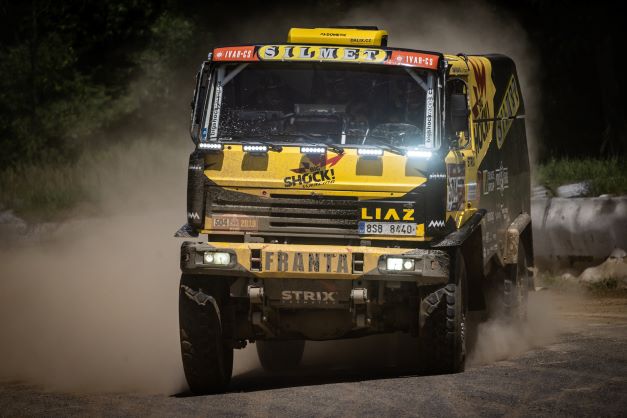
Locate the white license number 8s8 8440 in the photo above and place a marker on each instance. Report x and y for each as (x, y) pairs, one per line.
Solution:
(387, 228)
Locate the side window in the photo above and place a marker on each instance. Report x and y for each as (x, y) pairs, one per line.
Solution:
(198, 101)
(457, 112)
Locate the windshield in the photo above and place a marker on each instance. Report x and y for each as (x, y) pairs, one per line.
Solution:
(323, 103)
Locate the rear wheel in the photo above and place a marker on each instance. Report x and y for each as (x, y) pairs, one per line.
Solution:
(276, 356)
(206, 353)
(443, 323)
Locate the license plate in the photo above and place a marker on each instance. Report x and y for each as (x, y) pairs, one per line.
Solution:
(387, 228)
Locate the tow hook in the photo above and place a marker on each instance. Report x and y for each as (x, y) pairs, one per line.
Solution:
(360, 307)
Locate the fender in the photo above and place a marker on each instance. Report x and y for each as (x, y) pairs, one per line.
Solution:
(514, 231)
(457, 238)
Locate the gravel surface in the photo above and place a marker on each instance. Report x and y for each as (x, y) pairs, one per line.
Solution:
(583, 372)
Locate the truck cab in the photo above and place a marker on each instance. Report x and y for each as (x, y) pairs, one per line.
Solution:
(346, 188)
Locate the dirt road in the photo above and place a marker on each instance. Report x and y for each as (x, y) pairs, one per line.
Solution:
(582, 372)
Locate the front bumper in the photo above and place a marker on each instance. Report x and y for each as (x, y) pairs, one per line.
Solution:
(335, 262)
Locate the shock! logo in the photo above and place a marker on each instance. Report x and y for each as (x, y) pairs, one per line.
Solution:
(313, 171)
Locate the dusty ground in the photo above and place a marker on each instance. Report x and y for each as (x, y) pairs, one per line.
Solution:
(580, 371)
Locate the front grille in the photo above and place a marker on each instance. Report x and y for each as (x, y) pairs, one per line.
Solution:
(289, 213)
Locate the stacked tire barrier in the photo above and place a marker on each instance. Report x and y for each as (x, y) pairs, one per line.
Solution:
(578, 227)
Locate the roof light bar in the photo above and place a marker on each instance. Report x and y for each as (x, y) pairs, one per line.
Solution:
(313, 150)
(255, 149)
(213, 146)
(415, 153)
(370, 152)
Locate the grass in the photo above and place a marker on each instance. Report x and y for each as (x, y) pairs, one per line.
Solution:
(605, 176)
(118, 173)
(42, 192)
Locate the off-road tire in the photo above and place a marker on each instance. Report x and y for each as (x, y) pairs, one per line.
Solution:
(206, 353)
(277, 356)
(443, 324)
(516, 292)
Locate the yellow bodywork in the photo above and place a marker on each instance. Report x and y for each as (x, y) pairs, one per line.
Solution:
(335, 260)
(337, 36)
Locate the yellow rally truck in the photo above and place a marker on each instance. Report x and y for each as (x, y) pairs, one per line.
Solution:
(347, 188)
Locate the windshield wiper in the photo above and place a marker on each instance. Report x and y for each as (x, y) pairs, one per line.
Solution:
(389, 147)
(316, 137)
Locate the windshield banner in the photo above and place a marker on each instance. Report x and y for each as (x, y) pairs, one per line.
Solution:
(325, 53)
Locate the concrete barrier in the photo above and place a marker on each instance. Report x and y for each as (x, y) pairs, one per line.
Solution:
(578, 227)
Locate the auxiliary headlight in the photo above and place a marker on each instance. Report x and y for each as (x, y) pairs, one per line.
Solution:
(212, 146)
(369, 152)
(415, 153)
(313, 150)
(400, 264)
(255, 149)
(217, 259)
(395, 264)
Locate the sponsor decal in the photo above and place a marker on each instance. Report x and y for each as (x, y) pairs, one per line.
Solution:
(234, 53)
(507, 112)
(326, 53)
(501, 178)
(487, 181)
(304, 296)
(387, 214)
(300, 262)
(495, 180)
(455, 190)
(217, 105)
(472, 191)
(321, 53)
(414, 59)
(193, 215)
(437, 176)
(429, 120)
(313, 171)
(436, 223)
(234, 223)
(480, 109)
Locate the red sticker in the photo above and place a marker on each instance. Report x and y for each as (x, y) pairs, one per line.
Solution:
(235, 53)
(413, 59)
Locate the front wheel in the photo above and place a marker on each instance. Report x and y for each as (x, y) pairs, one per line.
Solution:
(206, 353)
(277, 356)
(443, 323)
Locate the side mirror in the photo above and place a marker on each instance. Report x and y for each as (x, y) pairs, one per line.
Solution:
(459, 112)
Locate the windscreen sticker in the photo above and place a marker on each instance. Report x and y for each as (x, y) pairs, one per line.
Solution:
(429, 120)
(217, 105)
(455, 190)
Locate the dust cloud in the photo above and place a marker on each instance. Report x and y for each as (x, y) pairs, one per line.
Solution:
(91, 304)
(498, 340)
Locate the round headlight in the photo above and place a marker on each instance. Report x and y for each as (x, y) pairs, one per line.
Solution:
(408, 264)
(208, 258)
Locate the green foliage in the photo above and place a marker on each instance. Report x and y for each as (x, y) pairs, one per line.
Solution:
(606, 176)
